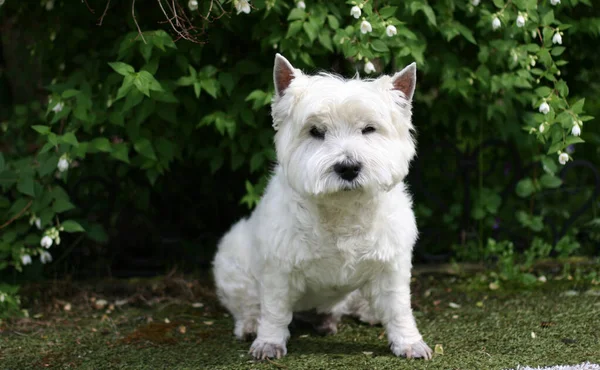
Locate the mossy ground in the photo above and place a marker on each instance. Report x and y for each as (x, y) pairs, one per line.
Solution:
(157, 327)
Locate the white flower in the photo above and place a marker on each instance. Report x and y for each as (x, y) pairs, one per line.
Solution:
(520, 21)
(496, 23)
(542, 128)
(49, 5)
(2, 296)
(533, 34)
(391, 30)
(193, 5)
(63, 164)
(58, 107)
(45, 257)
(38, 223)
(557, 39)
(355, 12)
(544, 108)
(301, 5)
(563, 158)
(26, 259)
(369, 68)
(576, 130)
(555, 2)
(46, 242)
(365, 27)
(242, 6)
(475, 2)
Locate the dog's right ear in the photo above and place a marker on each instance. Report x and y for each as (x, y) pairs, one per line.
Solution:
(283, 74)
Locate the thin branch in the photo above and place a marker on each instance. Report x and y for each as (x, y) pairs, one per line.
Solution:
(88, 6)
(135, 20)
(103, 14)
(17, 215)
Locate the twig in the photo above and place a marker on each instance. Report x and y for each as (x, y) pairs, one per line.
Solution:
(88, 6)
(17, 215)
(103, 14)
(135, 20)
(281, 366)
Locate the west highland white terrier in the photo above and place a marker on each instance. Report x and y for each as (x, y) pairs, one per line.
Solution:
(334, 231)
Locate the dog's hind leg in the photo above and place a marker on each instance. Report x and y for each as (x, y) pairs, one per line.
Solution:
(236, 287)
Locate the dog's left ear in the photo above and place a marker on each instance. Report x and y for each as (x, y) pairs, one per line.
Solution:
(283, 74)
(406, 80)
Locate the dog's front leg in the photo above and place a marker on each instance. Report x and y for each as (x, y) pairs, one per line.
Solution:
(389, 295)
(275, 316)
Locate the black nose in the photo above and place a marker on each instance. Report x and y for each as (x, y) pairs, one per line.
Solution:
(347, 170)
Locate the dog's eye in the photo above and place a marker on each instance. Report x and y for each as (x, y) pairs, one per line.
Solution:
(316, 133)
(368, 130)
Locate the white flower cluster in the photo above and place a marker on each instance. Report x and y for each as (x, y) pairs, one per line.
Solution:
(366, 27)
(63, 163)
(242, 6)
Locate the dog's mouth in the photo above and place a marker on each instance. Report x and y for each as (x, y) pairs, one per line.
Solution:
(351, 186)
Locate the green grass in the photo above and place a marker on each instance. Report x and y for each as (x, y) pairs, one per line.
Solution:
(494, 334)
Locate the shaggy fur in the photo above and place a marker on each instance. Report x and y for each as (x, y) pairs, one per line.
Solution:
(322, 238)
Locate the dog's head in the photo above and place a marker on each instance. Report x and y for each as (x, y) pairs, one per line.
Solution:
(336, 134)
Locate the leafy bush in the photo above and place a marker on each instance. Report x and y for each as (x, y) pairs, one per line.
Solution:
(156, 96)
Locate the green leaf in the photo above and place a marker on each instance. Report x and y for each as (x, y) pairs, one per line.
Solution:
(102, 144)
(577, 108)
(62, 205)
(296, 14)
(121, 152)
(550, 181)
(573, 140)
(387, 11)
(144, 147)
(48, 166)
(44, 130)
(555, 147)
(333, 22)
(226, 80)
(197, 89)
(543, 91)
(379, 46)
(294, 28)
(70, 93)
(210, 86)
(2, 162)
(71, 226)
(548, 165)
(311, 30)
(25, 185)
(548, 18)
(325, 39)
(525, 188)
(122, 68)
(69, 138)
(125, 87)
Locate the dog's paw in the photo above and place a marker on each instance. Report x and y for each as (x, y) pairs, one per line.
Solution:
(419, 349)
(261, 350)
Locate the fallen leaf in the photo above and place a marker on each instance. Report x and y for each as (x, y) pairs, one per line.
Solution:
(570, 293)
(167, 321)
(494, 286)
(100, 304)
(479, 304)
(67, 307)
(209, 323)
(438, 349)
(542, 279)
(304, 336)
(455, 317)
(368, 353)
(197, 305)
(453, 305)
(182, 329)
(533, 335)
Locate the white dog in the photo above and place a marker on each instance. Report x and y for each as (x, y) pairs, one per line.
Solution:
(335, 229)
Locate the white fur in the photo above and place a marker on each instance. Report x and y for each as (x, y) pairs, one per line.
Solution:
(316, 241)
